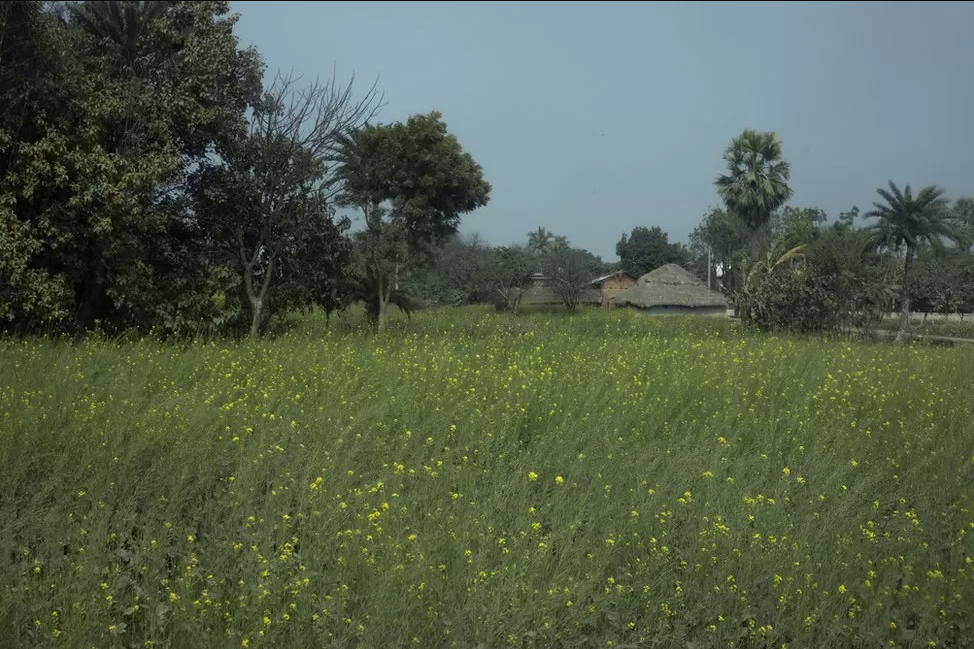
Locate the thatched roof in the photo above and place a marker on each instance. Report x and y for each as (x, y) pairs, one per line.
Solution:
(670, 285)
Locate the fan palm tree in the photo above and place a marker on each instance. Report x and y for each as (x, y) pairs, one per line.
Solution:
(757, 180)
(905, 220)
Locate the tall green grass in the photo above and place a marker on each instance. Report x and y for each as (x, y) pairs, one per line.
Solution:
(478, 480)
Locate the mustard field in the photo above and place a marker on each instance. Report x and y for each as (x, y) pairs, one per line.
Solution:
(469, 479)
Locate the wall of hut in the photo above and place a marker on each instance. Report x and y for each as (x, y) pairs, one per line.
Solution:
(684, 310)
(612, 287)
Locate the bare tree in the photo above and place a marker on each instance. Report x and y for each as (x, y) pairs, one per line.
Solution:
(571, 272)
(274, 187)
(508, 272)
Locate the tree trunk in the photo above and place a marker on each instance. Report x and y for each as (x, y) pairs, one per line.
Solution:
(905, 295)
(256, 306)
(383, 302)
(380, 322)
(257, 297)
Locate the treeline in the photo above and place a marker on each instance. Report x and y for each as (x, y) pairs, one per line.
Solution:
(150, 178)
(793, 269)
(155, 176)
(468, 270)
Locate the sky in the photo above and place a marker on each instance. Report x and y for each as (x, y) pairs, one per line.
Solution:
(592, 118)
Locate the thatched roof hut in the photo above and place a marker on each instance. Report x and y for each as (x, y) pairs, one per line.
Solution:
(672, 289)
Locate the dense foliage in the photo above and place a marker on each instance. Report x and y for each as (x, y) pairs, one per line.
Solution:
(151, 178)
(646, 249)
(411, 181)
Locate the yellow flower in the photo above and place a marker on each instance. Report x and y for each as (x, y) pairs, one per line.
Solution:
(559, 479)
(786, 471)
(532, 476)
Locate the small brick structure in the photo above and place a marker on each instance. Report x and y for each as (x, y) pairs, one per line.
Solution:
(611, 285)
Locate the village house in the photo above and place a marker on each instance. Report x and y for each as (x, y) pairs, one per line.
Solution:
(599, 291)
(611, 285)
(671, 289)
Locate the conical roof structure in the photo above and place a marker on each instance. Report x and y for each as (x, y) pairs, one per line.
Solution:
(670, 286)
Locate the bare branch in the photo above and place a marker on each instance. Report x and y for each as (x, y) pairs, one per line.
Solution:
(307, 123)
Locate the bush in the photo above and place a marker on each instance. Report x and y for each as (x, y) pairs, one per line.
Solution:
(796, 300)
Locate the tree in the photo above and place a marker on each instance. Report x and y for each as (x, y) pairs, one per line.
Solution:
(508, 271)
(908, 221)
(572, 269)
(964, 210)
(412, 183)
(720, 240)
(859, 275)
(96, 155)
(540, 240)
(943, 281)
(646, 249)
(266, 203)
(31, 294)
(847, 219)
(123, 24)
(756, 182)
(458, 273)
(797, 225)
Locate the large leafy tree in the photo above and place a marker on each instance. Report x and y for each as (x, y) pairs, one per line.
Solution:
(719, 240)
(458, 274)
(125, 26)
(906, 222)
(943, 281)
(756, 182)
(797, 225)
(412, 182)
(32, 84)
(963, 211)
(95, 177)
(646, 249)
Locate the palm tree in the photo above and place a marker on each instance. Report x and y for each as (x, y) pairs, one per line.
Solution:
(907, 220)
(123, 23)
(757, 180)
(540, 242)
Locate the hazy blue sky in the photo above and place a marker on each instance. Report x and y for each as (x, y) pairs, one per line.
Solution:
(592, 118)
